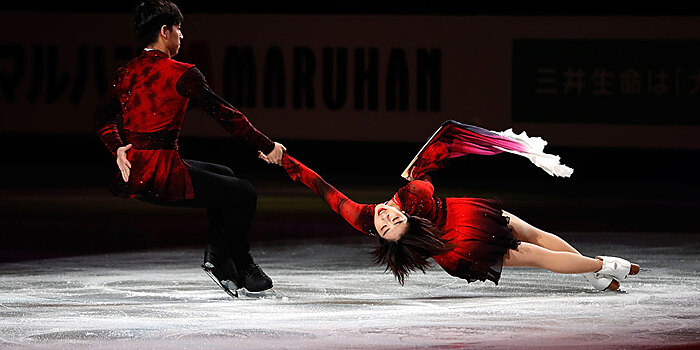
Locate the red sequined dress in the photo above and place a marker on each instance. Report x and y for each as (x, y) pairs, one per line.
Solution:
(475, 226)
(151, 92)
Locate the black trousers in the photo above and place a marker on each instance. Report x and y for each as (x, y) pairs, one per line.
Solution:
(230, 204)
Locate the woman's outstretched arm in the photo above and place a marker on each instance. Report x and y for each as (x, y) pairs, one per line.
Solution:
(357, 215)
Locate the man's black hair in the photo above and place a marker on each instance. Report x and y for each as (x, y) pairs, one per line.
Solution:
(151, 15)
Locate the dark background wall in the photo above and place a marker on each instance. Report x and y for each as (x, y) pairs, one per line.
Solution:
(54, 202)
(440, 7)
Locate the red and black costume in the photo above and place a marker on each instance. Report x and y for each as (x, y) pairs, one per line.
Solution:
(152, 92)
(476, 226)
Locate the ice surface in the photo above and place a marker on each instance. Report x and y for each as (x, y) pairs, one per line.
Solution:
(329, 295)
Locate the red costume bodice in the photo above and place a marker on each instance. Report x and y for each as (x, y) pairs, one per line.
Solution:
(148, 95)
(416, 199)
(151, 92)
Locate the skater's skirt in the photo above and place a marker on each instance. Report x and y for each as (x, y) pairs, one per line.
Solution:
(480, 235)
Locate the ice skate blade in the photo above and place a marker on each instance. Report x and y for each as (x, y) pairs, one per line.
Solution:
(265, 294)
(228, 286)
(614, 286)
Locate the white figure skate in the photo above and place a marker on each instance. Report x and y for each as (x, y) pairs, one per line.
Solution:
(616, 268)
(602, 283)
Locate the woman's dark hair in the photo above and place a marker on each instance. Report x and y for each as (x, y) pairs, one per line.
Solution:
(411, 251)
(151, 15)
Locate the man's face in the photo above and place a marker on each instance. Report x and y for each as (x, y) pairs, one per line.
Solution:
(172, 39)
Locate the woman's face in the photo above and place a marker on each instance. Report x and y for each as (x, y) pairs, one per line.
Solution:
(389, 222)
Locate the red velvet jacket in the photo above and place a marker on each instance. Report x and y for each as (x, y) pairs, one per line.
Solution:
(151, 92)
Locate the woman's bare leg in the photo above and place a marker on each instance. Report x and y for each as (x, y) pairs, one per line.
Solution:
(531, 234)
(532, 255)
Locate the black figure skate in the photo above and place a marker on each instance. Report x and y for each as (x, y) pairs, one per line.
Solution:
(221, 270)
(255, 283)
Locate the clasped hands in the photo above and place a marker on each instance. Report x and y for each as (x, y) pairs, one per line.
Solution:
(274, 157)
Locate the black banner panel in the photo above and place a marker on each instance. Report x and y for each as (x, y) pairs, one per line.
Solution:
(642, 82)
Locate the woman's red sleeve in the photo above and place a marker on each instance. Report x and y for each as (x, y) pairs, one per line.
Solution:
(358, 215)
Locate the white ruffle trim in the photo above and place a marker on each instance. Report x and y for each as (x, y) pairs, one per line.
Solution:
(535, 145)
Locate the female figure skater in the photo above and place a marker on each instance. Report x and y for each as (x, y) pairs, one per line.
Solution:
(151, 93)
(470, 238)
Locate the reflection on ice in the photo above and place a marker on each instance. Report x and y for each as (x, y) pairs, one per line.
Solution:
(329, 295)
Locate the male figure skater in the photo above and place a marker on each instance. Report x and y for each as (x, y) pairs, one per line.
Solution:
(151, 92)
